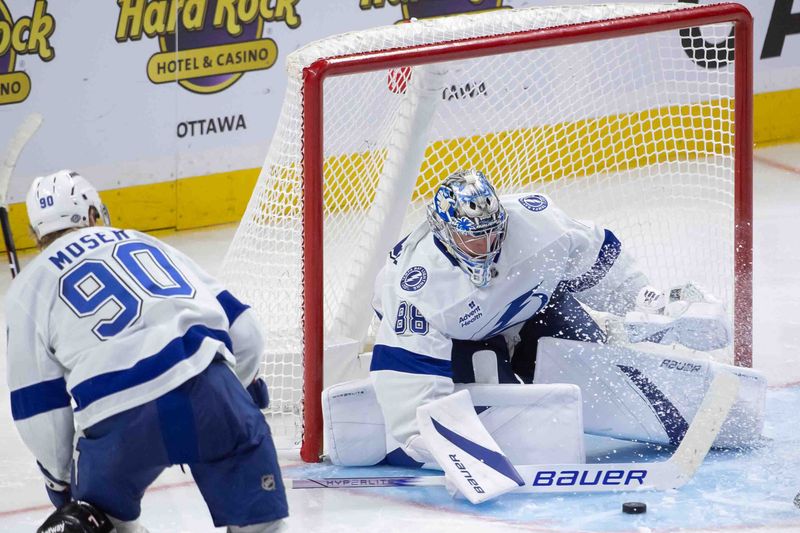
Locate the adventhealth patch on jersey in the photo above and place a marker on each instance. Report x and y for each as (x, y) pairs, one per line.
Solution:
(534, 202)
(414, 279)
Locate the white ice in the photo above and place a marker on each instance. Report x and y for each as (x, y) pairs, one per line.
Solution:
(741, 492)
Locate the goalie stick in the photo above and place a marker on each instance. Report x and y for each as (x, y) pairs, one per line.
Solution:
(13, 151)
(609, 477)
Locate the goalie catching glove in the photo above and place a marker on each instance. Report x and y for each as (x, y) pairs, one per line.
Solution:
(687, 315)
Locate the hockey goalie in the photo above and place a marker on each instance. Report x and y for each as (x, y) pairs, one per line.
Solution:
(487, 350)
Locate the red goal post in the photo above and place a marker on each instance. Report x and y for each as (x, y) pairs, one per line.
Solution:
(313, 159)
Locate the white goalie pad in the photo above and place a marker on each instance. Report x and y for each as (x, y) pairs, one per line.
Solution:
(472, 461)
(354, 433)
(344, 361)
(636, 395)
(532, 424)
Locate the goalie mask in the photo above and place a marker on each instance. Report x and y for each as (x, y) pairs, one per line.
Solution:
(62, 201)
(467, 217)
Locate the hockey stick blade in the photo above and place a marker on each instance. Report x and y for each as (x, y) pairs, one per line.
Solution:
(609, 477)
(15, 146)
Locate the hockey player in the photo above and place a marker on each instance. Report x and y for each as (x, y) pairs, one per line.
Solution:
(466, 297)
(124, 357)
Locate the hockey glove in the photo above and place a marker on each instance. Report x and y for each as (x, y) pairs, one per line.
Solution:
(687, 315)
(58, 491)
(77, 516)
(259, 393)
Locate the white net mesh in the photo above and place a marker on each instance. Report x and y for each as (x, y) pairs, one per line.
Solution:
(628, 132)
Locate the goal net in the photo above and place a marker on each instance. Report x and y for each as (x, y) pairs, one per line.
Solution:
(635, 116)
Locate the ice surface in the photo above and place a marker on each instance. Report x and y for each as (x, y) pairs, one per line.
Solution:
(733, 491)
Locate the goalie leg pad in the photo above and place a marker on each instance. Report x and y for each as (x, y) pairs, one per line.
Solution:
(471, 459)
(533, 424)
(637, 395)
(354, 431)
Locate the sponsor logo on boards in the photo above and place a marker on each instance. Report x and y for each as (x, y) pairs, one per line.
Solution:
(205, 45)
(28, 34)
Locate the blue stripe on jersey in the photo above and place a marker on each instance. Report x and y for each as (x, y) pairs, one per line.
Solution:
(39, 398)
(178, 349)
(400, 360)
(231, 305)
(608, 254)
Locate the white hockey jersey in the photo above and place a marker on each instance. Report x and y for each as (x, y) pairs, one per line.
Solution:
(104, 320)
(425, 300)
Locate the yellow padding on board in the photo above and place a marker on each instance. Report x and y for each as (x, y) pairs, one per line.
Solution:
(214, 199)
(594, 146)
(776, 117)
(144, 207)
(571, 149)
(187, 203)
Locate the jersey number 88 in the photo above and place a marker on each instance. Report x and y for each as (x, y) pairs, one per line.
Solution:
(410, 320)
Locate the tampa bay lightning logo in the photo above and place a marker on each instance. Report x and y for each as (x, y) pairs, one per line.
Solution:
(414, 279)
(515, 309)
(534, 202)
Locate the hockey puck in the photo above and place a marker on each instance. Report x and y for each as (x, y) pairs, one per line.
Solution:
(634, 508)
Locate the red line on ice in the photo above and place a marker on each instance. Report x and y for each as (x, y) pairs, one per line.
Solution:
(45, 507)
(777, 164)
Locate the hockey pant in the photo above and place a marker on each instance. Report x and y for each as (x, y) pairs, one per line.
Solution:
(209, 423)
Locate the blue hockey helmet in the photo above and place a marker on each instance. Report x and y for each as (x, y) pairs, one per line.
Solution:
(467, 217)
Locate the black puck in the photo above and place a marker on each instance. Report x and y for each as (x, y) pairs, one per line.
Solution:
(634, 508)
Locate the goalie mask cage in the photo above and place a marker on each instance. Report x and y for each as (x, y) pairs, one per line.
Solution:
(635, 116)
